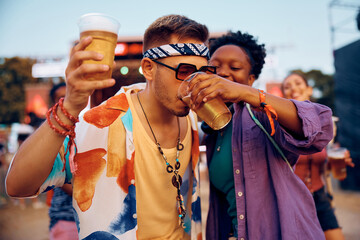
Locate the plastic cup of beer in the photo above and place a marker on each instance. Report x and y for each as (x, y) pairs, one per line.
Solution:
(336, 156)
(214, 112)
(104, 31)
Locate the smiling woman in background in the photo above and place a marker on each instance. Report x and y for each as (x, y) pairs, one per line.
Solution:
(311, 168)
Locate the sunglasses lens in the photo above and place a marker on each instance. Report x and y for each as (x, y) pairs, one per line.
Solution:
(185, 70)
(208, 69)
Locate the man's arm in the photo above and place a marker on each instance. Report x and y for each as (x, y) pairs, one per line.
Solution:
(33, 162)
(34, 159)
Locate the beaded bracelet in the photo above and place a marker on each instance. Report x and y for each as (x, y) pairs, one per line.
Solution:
(269, 110)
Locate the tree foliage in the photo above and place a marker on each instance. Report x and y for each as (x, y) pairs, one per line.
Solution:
(14, 74)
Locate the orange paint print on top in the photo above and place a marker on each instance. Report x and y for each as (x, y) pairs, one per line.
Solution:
(118, 102)
(105, 114)
(195, 152)
(127, 174)
(91, 164)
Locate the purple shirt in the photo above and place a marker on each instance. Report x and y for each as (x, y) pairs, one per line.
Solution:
(271, 201)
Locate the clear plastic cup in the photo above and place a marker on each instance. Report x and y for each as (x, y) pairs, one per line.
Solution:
(104, 31)
(336, 156)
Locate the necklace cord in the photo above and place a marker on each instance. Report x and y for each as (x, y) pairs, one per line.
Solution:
(157, 143)
(176, 179)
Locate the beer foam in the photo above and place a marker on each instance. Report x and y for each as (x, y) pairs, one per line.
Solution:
(98, 21)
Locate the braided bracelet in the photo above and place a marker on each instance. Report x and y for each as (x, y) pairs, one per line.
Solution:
(53, 127)
(57, 119)
(66, 113)
(69, 131)
(269, 110)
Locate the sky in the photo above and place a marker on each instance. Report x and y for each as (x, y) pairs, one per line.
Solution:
(296, 33)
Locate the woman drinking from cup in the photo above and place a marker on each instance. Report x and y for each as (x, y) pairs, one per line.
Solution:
(254, 193)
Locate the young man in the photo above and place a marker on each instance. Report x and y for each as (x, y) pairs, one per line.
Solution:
(137, 153)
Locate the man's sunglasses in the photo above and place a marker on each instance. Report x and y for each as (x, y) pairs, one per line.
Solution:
(183, 70)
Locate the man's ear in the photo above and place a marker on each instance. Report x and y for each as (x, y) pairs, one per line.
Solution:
(148, 68)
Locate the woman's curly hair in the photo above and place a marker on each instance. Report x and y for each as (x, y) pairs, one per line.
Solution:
(256, 52)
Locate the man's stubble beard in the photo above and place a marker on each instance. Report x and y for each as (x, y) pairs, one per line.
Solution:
(166, 100)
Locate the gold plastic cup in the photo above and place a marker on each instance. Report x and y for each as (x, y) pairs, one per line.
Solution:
(104, 31)
(214, 112)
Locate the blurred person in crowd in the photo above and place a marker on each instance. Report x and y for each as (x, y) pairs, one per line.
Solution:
(57, 91)
(117, 194)
(34, 120)
(312, 169)
(3, 169)
(61, 212)
(254, 193)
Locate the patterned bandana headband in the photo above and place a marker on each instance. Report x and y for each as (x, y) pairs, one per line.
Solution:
(178, 49)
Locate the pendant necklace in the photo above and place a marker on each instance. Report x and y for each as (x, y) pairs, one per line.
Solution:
(176, 179)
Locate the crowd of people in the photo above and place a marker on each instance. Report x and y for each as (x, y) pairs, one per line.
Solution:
(129, 167)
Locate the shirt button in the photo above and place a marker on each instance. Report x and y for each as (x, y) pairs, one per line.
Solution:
(218, 149)
(237, 171)
(234, 150)
(240, 194)
(241, 217)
